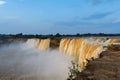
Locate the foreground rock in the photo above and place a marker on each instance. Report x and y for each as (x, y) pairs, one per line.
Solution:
(107, 67)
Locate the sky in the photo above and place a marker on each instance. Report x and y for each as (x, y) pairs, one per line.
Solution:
(59, 16)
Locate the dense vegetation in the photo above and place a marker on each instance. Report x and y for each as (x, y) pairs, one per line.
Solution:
(20, 35)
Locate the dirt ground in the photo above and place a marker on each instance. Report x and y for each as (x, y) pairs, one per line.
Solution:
(107, 67)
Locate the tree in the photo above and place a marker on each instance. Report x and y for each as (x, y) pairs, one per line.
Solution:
(57, 35)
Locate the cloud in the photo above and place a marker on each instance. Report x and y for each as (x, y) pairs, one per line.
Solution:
(10, 17)
(90, 21)
(72, 23)
(97, 16)
(97, 2)
(22, 0)
(75, 21)
(113, 24)
(2, 2)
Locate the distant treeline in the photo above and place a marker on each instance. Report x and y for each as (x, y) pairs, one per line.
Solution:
(20, 35)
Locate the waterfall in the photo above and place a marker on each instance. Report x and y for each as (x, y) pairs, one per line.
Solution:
(42, 44)
(82, 49)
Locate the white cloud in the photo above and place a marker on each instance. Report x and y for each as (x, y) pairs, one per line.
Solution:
(11, 17)
(22, 0)
(3, 17)
(2, 2)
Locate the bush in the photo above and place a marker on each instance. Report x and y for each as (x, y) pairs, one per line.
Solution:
(73, 71)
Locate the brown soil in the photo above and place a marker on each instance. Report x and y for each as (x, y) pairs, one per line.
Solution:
(107, 67)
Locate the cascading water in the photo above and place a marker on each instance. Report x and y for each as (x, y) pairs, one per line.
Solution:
(82, 49)
(42, 44)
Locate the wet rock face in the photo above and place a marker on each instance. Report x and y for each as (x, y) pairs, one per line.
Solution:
(54, 43)
(105, 68)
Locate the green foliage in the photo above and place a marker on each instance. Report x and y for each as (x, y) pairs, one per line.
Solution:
(21, 35)
(73, 71)
(57, 35)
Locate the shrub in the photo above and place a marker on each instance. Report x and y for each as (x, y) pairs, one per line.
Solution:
(73, 71)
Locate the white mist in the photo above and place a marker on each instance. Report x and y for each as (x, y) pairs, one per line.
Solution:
(28, 63)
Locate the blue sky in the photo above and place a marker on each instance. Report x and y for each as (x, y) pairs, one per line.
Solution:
(59, 16)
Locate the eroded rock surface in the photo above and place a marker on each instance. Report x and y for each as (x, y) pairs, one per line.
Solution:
(107, 67)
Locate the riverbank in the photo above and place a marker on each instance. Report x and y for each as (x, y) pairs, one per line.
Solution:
(107, 67)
